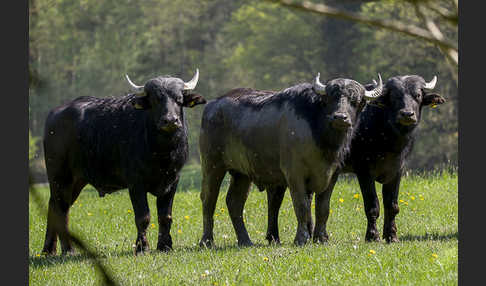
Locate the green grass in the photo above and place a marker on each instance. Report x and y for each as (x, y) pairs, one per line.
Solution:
(426, 255)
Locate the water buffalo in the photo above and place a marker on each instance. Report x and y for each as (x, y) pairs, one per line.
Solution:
(138, 141)
(296, 137)
(383, 139)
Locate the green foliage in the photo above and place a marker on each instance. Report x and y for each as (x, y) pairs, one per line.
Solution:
(32, 146)
(427, 254)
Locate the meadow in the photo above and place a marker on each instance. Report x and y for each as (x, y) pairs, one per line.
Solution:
(427, 253)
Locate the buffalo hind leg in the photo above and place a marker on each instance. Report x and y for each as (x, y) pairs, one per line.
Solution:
(322, 211)
(390, 204)
(211, 182)
(235, 200)
(371, 206)
(138, 197)
(164, 213)
(275, 197)
(61, 199)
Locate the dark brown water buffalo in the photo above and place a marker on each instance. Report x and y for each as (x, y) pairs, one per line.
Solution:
(297, 137)
(138, 141)
(383, 139)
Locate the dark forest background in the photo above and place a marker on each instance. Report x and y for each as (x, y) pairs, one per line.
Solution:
(85, 47)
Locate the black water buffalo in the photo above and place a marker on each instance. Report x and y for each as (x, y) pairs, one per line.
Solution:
(296, 138)
(383, 139)
(138, 141)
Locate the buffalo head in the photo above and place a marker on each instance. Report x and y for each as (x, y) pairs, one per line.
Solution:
(164, 97)
(404, 96)
(344, 99)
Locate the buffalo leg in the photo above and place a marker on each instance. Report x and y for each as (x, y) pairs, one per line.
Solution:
(211, 182)
(138, 198)
(61, 199)
(322, 211)
(275, 197)
(371, 206)
(164, 212)
(302, 207)
(235, 200)
(390, 204)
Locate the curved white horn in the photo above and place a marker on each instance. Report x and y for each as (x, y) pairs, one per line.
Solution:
(318, 86)
(376, 92)
(135, 88)
(193, 82)
(374, 82)
(431, 84)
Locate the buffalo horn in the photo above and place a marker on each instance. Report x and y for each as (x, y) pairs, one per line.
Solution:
(376, 92)
(318, 86)
(135, 88)
(431, 84)
(193, 82)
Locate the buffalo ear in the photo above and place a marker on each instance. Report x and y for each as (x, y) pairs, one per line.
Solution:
(193, 99)
(141, 102)
(432, 99)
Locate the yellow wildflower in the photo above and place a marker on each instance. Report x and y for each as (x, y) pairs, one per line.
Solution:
(356, 196)
(341, 200)
(90, 213)
(330, 211)
(129, 211)
(372, 252)
(179, 231)
(186, 217)
(265, 258)
(38, 255)
(152, 225)
(412, 198)
(401, 201)
(434, 255)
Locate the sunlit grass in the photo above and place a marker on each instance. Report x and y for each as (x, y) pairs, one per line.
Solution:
(427, 254)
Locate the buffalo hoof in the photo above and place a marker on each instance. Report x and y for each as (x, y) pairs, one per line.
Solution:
(301, 239)
(140, 249)
(372, 236)
(164, 247)
(321, 239)
(273, 240)
(49, 252)
(391, 238)
(206, 243)
(69, 252)
(245, 243)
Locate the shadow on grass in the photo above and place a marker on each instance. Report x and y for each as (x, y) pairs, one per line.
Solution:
(48, 261)
(430, 236)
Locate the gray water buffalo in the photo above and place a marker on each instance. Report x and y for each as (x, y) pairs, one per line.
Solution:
(137, 141)
(297, 137)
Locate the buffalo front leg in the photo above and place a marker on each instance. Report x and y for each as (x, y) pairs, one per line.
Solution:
(275, 197)
(390, 204)
(301, 201)
(371, 206)
(164, 212)
(322, 211)
(138, 198)
(235, 200)
(211, 182)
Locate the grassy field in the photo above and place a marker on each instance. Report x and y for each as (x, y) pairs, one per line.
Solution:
(427, 254)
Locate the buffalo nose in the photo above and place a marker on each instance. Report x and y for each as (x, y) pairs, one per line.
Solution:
(407, 113)
(340, 116)
(170, 121)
